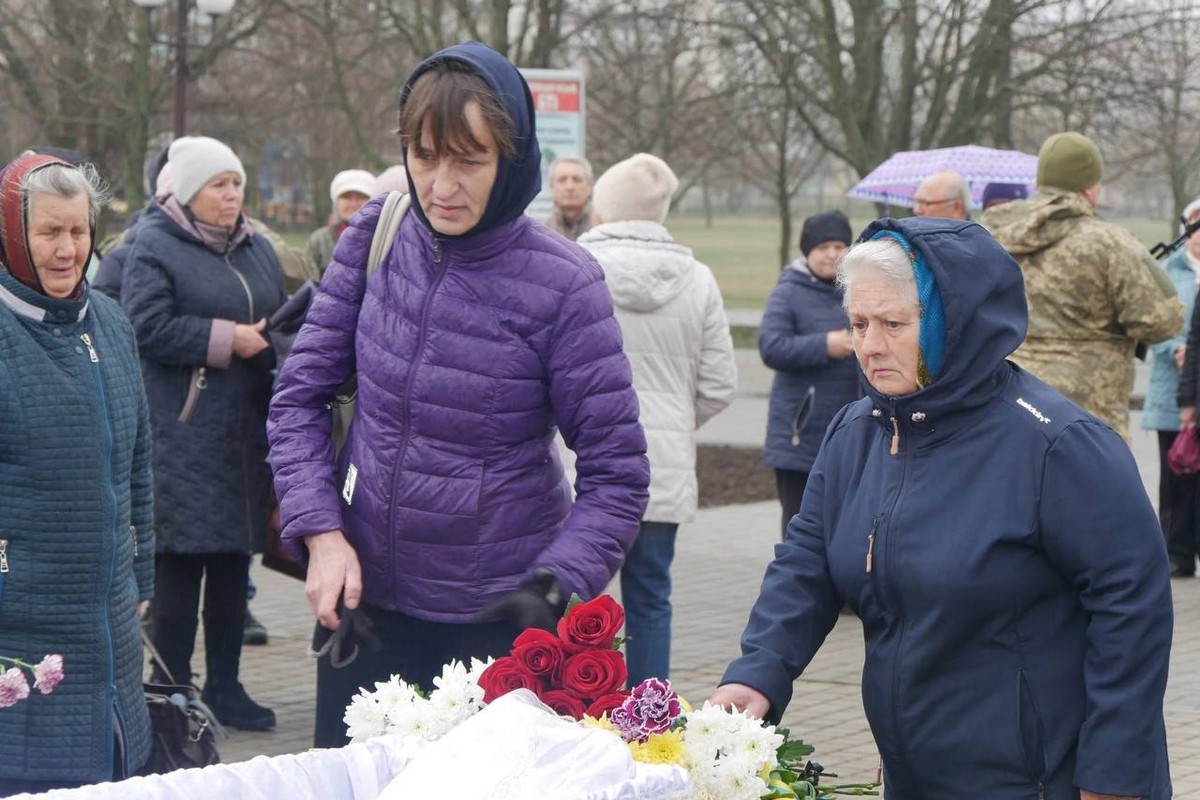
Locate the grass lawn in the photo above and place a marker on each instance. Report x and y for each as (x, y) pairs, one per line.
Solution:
(743, 250)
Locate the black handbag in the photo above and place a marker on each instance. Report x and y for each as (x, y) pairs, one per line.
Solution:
(183, 729)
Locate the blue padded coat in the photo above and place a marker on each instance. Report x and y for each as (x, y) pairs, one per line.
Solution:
(76, 540)
(1006, 564)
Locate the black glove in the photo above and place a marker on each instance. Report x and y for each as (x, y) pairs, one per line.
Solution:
(342, 645)
(536, 603)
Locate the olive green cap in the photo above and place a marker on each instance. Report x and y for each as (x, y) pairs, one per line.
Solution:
(1069, 161)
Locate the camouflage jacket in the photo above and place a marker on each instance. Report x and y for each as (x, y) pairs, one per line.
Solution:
(1093, 290)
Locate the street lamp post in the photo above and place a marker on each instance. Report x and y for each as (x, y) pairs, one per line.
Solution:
(213, 8)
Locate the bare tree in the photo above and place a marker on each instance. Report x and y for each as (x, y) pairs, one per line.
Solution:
(91, 76)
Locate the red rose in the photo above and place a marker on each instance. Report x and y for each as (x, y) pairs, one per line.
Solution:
(607, 703)
(592, 624)
(541, 653)
(563, 702)
(594, 673)
(505, 675)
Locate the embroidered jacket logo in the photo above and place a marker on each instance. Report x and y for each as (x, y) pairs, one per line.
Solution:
(1039, 416)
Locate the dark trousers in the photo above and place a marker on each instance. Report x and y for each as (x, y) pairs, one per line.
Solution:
(1178, 509)
(175, 612)
(414, 649)
(790, 484)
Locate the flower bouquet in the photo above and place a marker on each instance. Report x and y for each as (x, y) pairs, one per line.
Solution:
(579, 672)
(14, 686)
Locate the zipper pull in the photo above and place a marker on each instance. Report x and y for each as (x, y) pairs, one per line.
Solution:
(87, 341)
(202, 378)
(895, 437)
(3, 555)
(871, 542)
(437, 251)
(133, 535)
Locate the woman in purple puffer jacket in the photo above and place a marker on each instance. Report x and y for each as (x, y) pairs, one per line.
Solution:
(447, 514)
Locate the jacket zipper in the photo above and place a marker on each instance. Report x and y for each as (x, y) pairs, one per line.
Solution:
(112, 555)
(404, 407)
(3, 565)
(133, 537)
(889, 548)
(245, 286)
(871, 542)
(250, 304)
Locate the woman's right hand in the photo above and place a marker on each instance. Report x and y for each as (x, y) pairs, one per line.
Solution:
(333, 572)
(1187, 416)
(741, 697)
(248, 340)
(838, 344)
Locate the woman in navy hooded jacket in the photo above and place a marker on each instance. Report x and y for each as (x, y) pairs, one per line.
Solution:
(447, 512)
(994, 538)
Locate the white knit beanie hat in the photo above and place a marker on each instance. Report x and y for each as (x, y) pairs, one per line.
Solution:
(196, 160)
(392, 179)
(352, 180)
(638, 188)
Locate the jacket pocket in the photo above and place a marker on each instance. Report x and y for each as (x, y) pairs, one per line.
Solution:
(803, 413)
(1032, 732)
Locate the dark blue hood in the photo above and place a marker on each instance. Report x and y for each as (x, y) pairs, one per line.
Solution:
(518, 178)
(983, 293)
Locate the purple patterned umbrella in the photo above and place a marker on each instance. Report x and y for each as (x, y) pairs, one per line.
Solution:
(895, 180)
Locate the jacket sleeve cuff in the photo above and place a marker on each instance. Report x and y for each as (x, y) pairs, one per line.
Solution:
(764, 675)
(220, 343)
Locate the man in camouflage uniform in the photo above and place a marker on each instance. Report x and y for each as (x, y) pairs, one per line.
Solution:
(1093, 289)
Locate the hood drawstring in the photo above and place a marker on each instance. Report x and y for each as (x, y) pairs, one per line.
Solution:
(917, 417)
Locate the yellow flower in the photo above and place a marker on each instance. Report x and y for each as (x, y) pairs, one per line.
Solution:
(660, 748)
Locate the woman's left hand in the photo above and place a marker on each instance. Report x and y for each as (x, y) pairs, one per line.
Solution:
(141, 609)
(248, 340)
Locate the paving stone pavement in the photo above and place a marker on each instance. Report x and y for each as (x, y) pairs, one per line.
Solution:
(719, 563)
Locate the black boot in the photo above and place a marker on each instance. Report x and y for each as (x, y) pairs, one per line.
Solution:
(234, 708)
(223, 692)
(253, 631)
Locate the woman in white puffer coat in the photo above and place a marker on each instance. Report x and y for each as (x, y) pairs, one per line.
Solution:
(677, 339)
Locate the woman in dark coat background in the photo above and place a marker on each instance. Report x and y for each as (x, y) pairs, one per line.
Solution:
(198, 285)
(805, 338)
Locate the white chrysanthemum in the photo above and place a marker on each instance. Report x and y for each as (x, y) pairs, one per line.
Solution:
(364, 717)
(477, 669)
(726, 751)
(394, 693)
(415, 718)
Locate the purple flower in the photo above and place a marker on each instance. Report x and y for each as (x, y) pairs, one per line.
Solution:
(13, 687)
(48, 674)
(650, 708)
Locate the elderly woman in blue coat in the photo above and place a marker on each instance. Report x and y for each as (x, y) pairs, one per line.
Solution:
(76, 558)
(993, 537)
(198, 285)
(805, 338)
